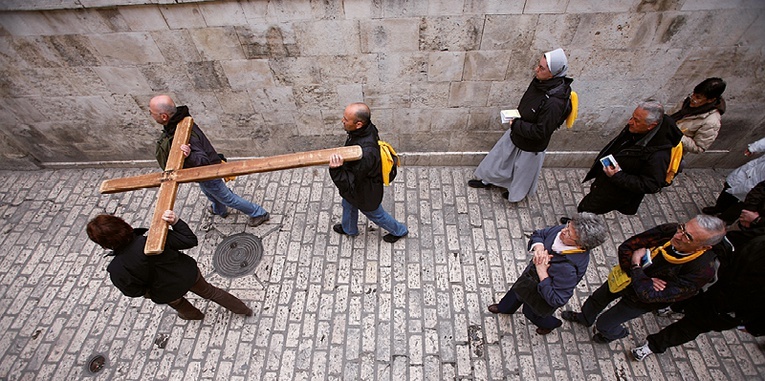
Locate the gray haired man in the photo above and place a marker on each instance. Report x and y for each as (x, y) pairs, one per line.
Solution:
(641, 155)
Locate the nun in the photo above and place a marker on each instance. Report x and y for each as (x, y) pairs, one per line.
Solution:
(516, 159)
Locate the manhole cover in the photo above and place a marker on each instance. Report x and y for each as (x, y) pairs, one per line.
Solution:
(238, 255)
(96, 364)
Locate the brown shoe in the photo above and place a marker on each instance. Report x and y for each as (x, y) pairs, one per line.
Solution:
(494, 308)
(544, 331)
(259, 220)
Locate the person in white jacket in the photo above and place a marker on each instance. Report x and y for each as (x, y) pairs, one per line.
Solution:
(738, 183)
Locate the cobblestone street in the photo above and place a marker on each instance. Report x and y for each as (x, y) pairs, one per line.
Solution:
(330, 307)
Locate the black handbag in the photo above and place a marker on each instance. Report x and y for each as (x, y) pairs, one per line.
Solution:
(526, 289)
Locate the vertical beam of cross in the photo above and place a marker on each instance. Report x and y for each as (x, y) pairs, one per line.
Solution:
(155, 241)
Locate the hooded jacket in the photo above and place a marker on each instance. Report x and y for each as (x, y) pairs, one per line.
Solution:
(643, 159)
(543, 108)
(202, 151)
(360, 182)
(700, 130)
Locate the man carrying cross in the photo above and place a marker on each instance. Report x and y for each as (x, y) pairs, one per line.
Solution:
(199, 152)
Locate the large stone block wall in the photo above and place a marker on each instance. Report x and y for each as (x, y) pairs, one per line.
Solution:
(271, 77)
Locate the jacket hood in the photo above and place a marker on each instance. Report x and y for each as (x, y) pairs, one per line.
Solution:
(180, 113)
(666, 134)
(555, 87)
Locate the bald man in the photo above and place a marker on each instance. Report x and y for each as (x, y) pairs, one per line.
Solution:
(199, 152)
(360, 182)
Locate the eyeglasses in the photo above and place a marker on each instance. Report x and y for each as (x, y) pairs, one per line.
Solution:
(687, 236)
(569, 232)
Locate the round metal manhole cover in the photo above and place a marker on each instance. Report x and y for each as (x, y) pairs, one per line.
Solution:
(96, 364)
(238, 255)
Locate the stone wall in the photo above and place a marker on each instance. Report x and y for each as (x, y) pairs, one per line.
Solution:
(271, 77)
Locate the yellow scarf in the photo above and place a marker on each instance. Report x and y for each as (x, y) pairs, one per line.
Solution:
(673, 260)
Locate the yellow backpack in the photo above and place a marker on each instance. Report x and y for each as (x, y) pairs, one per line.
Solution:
(676, 157)
(390, 162)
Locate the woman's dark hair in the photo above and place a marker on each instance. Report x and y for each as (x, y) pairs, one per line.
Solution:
(109, 231)
(710, 88)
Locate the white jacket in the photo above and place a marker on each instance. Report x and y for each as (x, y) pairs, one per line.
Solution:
(745, 177)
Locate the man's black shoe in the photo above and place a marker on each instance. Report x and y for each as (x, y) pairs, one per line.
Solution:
(564, 220)
(338, 228)
(390, 238)
(478, 184)
(710, 211)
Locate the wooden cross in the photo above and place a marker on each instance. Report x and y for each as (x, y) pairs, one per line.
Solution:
(174, 175)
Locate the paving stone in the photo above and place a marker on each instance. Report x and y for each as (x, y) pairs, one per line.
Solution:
(330, 307)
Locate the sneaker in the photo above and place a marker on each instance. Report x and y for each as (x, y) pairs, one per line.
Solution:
(210, 210)
(572, 316)
(478, 184)
(390, 238)
(641, 352)
(259, 220)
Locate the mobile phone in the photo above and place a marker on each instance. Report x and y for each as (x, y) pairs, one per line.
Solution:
(608, 161)
(645, 261)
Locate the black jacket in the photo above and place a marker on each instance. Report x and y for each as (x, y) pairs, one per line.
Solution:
(755, 202)
(543, 108)
(202, 151)
(740, 286)
(643, 159)
(166, 276)
(360, 182)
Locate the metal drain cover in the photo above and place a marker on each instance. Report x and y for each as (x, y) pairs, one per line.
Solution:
(96, 364)
(238, 255)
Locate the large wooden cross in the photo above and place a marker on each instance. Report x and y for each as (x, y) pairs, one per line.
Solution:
(174, 175)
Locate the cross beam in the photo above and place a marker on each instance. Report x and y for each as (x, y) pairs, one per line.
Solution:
(174, 175)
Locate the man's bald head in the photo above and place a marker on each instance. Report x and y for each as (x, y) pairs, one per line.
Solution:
(356, 115)
(162, 108)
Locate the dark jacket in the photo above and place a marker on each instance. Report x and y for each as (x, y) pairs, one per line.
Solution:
(565, 271)
(643, 159)
(202, 151)
(740, 286)
(166, 276)
(683, 280)
(754, 202)
(543, 108)
(360, 182)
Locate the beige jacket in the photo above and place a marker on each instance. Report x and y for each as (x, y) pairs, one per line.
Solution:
(699, 131)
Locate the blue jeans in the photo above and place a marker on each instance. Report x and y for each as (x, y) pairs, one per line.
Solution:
(221, 197)
(379, 216)
(609, 323)
(510, 303)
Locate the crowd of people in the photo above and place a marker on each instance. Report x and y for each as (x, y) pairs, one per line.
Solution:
(668, 266)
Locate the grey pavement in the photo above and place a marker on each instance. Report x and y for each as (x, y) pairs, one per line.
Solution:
(329, 307)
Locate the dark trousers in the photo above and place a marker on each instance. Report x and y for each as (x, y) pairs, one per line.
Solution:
(510, 303)
(602, 200)
(693, 324)
(609, 323)
(207, 291)
(728, 205)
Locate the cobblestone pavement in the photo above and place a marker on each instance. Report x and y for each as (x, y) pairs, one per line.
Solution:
(329, 307)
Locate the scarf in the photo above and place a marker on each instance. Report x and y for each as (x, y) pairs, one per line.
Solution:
(673, 259)
(687, 110)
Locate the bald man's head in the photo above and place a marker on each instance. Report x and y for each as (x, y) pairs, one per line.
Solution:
(356, 115)
(162, 108)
